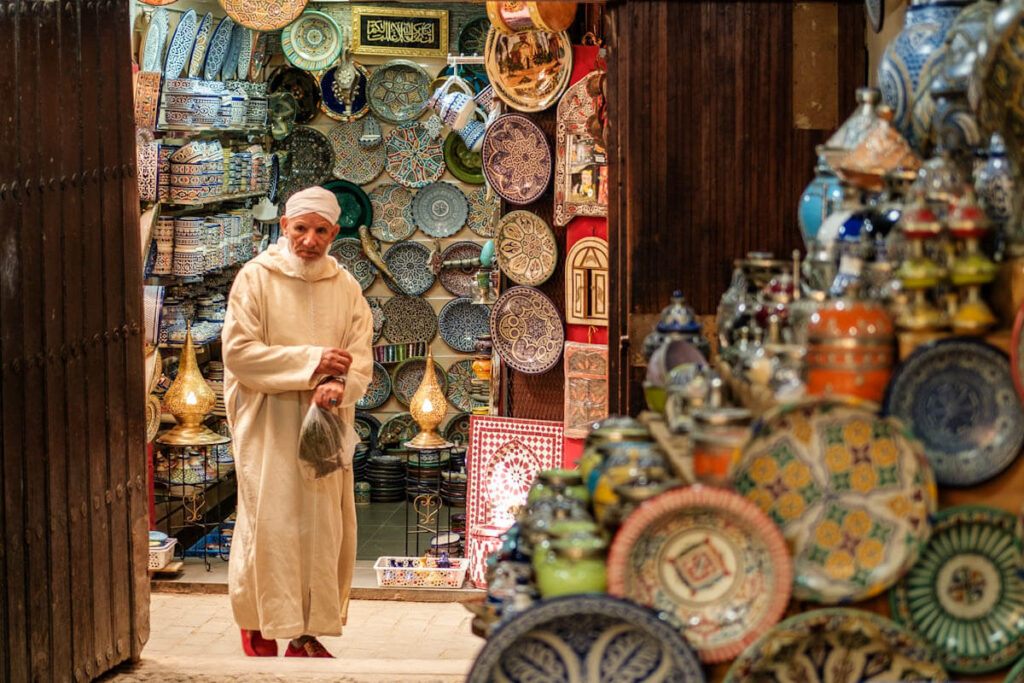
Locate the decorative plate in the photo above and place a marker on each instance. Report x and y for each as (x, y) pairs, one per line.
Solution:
(837, 646)
(460, 281)
(180, 49)
(264, 15)
(461, 322)
(440, 209)
(408, 263)
(312, 42)
(378, 391)
(473, 41)
(534, 83)
(259, 57)
(464, 163)
(409, 319)
(408, 375)
(1016, 674)
(585, 638)
(581, 163)
(349, 252)
(218, 50)
(341, 104)
(415, 159)
(397, 429)
(354, 204)
(456, 431)
(302, 86)
(965, 596)
(850, 490)
(516, 159)
(367, 427)
(876, 13)
(203, 33)
(526, 330)
(153, 410)
(399, 91)
(958, 397)
(460, 378)
(157, 3)
(1017, 353)
(526, 248)
(483, 212)
(245, 46)
(230, 66)
(275, 177)
(353, 162)
(156, 36)
(392, 213)
(377, 311)
(711, 560)
(309, 160)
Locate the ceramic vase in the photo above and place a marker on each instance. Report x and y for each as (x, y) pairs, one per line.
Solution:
(818, 200)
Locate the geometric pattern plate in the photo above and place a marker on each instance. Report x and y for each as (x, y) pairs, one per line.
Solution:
(414, 158)
(310, 159)
(456, 431)
(440, 209)
(203, 33)
(409, 319)
(312, 42)
(380, 388)
(217, 51)
(408, 376)
(527, 330)
(460, 383)
(352, 161)
(408, 263)
(264, 15)
(182, 42)
(459, 281)
(392, 212)
(516, 159)
(526, 248)
(461, 322)
(481, 212)
(349, 253)
(398, 91)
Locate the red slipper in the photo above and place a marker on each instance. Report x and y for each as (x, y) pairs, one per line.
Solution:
(255, 645)
(311, 647)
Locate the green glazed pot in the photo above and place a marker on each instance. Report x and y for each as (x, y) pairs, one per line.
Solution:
(571, 566)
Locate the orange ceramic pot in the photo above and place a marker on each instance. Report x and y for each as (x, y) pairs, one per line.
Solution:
(850, 350)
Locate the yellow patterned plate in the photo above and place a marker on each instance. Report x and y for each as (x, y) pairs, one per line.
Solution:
(526, 248)
(264, 15)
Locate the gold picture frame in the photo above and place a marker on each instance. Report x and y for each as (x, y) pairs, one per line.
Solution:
(399, 32)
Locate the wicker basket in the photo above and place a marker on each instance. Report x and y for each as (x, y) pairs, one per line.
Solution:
(420, 577)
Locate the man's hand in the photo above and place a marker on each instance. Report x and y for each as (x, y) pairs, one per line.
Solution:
(334, 362)
(329, 394)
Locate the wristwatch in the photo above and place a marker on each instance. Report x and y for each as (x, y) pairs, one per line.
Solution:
(339, 378)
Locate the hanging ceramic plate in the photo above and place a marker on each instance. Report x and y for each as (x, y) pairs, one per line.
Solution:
(460, 281)
(1017, 353)
(341, 104)
(965, 596)
(473, 41)
(157, 3)
(156, 36)
(526, 248)
(585, 638)
(708, 558)
(516, 159)
(440, 209)
(312, 42)
(302, 86)
(1016, 674)
(415, 159)
(245, 45)
(460, 384)
(378, 391)
(397, 429)
(876, 13)
(180, 49)
(392, 213)
(409, 319)
(218, 50)
(408, 376)
(230, 66)
(526, 330)
(461, 161)
(264, 15)
(408, 262)
(354, 204)
(457, 429)
(349, 252)
(461, 322)
(259, 57)
(528, 70)
(958, 397)
(352, 161)
(850, 490)
(837, 646)
(367, 427)
(483, 212)
(309, 161)
(377, 311)
(203, 33)
(275, 177)
(399, 91)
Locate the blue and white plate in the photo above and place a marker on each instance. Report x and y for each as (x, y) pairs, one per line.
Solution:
(156, 36)
(202, 43)
(461, 322)
(378, 391)
(440, 209)
(218, 49)
(181, 44)
(247, 38)
(230, 66)
(409, 263)
(958, 398)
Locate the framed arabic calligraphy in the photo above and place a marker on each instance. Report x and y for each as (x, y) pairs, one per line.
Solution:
(399, 31)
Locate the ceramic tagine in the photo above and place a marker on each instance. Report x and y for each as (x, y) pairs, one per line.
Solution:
(677, 322)
(854, 129)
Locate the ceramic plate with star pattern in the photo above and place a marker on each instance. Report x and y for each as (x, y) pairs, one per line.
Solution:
(398, 91)
(408, 262)
(517, 159)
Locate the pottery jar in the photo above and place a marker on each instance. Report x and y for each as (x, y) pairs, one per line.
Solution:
(537, 517)
(550, 482)
(718, 435)
(631, 494)
(612, 429)
(677, 321)
(570, 567)
(850, 349)
(819, 199)
(625, 462)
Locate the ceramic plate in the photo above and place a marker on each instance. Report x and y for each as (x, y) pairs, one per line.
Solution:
(1017, 353)
(408, 263)
(302, 86)
(217, 52)
(259, 57)
(461, 161)
(354, 204)
(460, 377)
(473, 41)
(409, 319)
(397, 429)
(526, 248)
(275, 177)
(399, 91)
(156, 36)
(529, 83)
(343, 104)
(585, 638)
(958, 397)
(180, 49)
(440, 209)
(377, 311)
(349, 252)
(312, 42)
(367, 427)
(460, 281)
(850, 491)
(392, 212)
(837, 646)
(203, 33)
(461, 321)
(378, 391)
(483, 212)
(708, 558)
(415, 159)
(965, 596)
(408, 375)
(876, 13)
(1016, 674)
(457, 429)
(526, 329)
(264, 15)
(230, 66)
(353, 162)
(516, 159)
(245, 46)
(309, 161)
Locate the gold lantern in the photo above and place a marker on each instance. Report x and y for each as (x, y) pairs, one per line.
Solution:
(189, 399)
(428, 407)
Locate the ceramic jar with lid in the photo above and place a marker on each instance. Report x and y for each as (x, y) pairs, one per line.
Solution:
(552, 482)
(677, 321)
(718, 435)
(819, 199)
(571, 566)
(612, 429)
(626, 462)
(850, 349)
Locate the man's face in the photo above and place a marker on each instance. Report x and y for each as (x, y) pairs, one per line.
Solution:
(309, 235)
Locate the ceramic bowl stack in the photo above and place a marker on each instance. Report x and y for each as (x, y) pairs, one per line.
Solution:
(213, 233)
(359, 461)
(163, 175)
(192, 103)
(212, 308)
(215, 380)
(163, 233)
(424, 471)
(197, 171)
(458, 523)
(189, 256)
(453, 488)
(448, 542)
(386, 474)
(256, 102)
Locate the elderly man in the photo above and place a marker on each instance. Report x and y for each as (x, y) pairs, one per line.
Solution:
(297, 330)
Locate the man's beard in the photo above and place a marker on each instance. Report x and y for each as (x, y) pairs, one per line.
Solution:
(303, 267)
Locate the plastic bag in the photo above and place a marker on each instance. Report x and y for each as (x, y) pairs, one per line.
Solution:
(321, 441)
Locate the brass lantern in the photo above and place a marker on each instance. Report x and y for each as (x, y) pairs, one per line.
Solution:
(428, 407)
(190, 399)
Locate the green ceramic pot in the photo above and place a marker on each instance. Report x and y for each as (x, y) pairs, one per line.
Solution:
(550, 482)
(571, 566)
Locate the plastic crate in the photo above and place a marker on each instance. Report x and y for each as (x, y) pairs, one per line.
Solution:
(160, 555)
(420, 577)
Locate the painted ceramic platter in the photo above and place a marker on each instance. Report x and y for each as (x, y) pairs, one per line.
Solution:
(409, 319)
(156, 36)
(392, 212)
(377, 311)
(440, 209)
(354, 204)
(378, 391)
(473, 41)
(264, 15)
(353, 162)
(460, 281)
(245, 46)
(461, 321)
(312, 42)
(965, 596)
(349, 252)
(230, 65)
(1017, 353)
(526, 330)
(302, 86)
(461, 161)
(531, 83)
(460, 377)
(837, 646)
(180, 49)
(259, 57)
(415, 159)
(397, 429)
(344, 104)
(516, 159)
(958, 397)
(1016, 674)
(367, 427)
(398, 91)
(408, 375)
(217, 52)
(483, 212)
(850, 490)
(456, 431)
(585, 638)
(408, 262)
(202, 43)
(309, 161)
(526, 248)
(275, 177)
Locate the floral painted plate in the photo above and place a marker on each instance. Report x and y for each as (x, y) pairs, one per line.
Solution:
(965, 596)
(349, 252)
(408, 262)
(409, 319)
(527, 330)
(461, 322)
(397, 429)
(531, 83)
(483, 212)
(367, 427)
(440, 209)
(398, 91)
(180, 49)
(302, 86)
(408, 376)
(464, 163)
(264, 15)
(958, 397)
(415, 159)
(377, 311)
(460, 383)
(460, 281)
(526, 248)
(312, 42)
(378, 391)
(456, 431)
(343, 104)
(353, 162)
(218, 50)
(851, 491)
(392, 213)
(837, 646)
(354, 204)
(203, 33)
(516, 159)
(309, 161)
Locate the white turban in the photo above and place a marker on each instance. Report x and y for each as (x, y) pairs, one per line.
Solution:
(313, 200)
